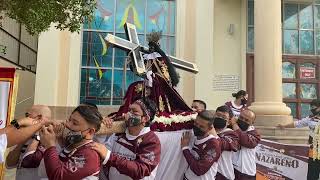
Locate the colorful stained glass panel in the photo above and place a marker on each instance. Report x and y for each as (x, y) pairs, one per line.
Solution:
(94, 50)
(160, 16)
(291, 42)
(250, 13)
(103, 18)
(291, 16)
(317, 16)
(308, 91)
(289, 90)
(131, 11)
(306, 16)
(305, 109)
(306, 42)
(317, 38)
(168, 45)
(118, 89)
(250, 39)
(96, 86)
(288, 70)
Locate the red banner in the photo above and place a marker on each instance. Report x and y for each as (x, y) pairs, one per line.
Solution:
(7, 72)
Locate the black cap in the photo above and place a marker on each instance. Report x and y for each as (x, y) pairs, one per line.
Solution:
(315, 102)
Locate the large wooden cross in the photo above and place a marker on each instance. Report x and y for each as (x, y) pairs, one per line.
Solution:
(134, 48)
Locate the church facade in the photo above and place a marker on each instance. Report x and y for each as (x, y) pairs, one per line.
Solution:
(219, 36)
(208, 33)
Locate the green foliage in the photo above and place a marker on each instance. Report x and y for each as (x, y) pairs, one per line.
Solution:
(37, 15)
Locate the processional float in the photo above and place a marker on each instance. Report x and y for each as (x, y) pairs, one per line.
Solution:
(135, 56)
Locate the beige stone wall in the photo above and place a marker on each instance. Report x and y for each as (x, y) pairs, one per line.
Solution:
(203, 38)
(185, 45)
(218, 52)
(25, 96)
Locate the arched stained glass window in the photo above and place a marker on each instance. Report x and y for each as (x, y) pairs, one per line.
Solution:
(103, 80)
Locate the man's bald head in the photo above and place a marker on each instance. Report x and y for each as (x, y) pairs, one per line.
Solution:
(247, 116)
(39, 111)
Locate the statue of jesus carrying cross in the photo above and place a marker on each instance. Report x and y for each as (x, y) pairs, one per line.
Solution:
(158, 72)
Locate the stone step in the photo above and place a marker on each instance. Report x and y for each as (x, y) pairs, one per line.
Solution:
(287, 135)
(275, 131)
(287, 139)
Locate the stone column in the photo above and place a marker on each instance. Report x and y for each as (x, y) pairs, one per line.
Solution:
(58, 68)
(204, 40)
(268, 105)
(185, 46)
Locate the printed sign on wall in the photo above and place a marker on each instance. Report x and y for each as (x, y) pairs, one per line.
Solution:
(226, 83)
(307, 73)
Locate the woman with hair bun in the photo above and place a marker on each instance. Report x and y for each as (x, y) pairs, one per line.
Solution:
(239, 103)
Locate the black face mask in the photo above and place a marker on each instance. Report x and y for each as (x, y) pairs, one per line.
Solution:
(219, 123)
(314, 111)
(197, 131)
(244, 101)
(72, 137)
(242, 125)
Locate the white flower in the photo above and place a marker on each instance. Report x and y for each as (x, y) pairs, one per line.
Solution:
(174, 118)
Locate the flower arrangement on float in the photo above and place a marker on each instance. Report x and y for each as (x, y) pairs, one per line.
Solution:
(173, 122)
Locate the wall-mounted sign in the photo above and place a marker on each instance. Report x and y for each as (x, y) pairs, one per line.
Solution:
(307, 73)
(226, 83)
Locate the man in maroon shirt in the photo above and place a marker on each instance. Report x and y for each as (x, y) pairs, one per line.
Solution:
(229, 143)
(203, 154)
(77, 160)
(244, 160)
(134, 154)
(198, 105)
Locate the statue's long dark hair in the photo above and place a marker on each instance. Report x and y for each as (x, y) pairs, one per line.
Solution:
(171, 69)
(153, 39)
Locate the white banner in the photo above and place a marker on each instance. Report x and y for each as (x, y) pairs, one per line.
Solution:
(4, 100)
(282, 161)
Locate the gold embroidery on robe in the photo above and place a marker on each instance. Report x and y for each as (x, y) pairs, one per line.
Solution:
(164, 70)
(138, 88)
(161, 105)
(168, 104)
